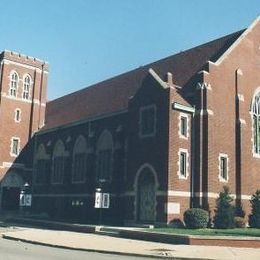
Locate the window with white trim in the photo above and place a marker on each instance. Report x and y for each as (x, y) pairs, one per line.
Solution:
(17, 115)
(13, 84)
(147, 121)
(26, 87)
(183, 126)
(183, 164)
(15, 146)
(256, 124)
(223, 167)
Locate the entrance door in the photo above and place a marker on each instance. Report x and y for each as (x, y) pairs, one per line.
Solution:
(10, 198)
(146, 197)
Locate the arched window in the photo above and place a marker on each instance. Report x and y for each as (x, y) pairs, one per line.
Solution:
(79, 160)
(256, 122)
(104, 156)
(41, 166)
(26, 87)
(58, 163)
(13, 84)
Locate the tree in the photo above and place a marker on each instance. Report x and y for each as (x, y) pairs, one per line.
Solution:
(225, 211)
(254, 217)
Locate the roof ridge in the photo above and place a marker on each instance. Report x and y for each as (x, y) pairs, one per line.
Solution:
(146, 66)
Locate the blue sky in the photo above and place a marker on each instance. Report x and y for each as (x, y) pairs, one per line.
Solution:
(86, 41)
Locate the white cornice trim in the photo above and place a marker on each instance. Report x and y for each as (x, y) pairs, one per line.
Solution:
(6, 61)
(158, 79)
(181, 107)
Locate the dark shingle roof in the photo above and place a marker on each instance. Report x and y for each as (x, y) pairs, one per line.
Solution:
(113, 94)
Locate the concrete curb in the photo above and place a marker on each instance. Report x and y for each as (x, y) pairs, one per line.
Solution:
(99, 250)
(53, 225)
(137, 234)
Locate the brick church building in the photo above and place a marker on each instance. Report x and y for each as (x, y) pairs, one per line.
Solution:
(159, 139)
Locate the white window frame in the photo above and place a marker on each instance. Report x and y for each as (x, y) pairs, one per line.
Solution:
(183, 115)
(141, 110)
(11, 81)
(18, 146)
(15, 115)
(182, 150)
(26, 87)
(255, 111)
(221, 179)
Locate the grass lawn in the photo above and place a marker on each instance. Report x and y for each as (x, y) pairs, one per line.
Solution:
(252, 232)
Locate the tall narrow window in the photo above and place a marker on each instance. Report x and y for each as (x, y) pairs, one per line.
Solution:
(58, 160)
(183, 163)
(26, 87)
(147, 121)
(104, 156)
(184, 126)
(13, 84)
(223, 167)
(42, 163)
(256, 124)
(15, 143)
(79, 160)
(17, 115)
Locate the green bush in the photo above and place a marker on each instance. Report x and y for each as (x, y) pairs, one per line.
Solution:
(240, 222)
(196, 218)
(176, 223)
(254, 217)
(224, 213)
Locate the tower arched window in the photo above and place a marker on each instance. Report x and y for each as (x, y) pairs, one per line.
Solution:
(26, 87)
(256, 123)
(14, 84)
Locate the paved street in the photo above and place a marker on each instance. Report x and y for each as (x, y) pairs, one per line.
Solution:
(15, 250)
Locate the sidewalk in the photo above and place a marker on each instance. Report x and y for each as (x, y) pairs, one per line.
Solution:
(107, 244)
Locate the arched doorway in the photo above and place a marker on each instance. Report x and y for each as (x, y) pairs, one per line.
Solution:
(11, 187)
(146, 195)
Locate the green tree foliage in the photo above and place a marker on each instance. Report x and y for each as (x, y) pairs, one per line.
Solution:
(196, 218)
(224, 213)
(254, 217)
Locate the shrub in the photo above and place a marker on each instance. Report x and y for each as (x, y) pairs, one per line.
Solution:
(196, 218)
(254, 217)
(240, 222)
(176, 223)
(224, 213)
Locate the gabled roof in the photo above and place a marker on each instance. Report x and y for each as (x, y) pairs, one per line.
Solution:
(112, 95)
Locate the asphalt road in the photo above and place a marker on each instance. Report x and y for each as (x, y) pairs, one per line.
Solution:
(16, 250)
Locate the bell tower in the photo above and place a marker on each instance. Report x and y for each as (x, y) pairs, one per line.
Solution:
(23, 85)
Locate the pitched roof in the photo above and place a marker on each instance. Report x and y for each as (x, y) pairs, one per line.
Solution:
(113, 94)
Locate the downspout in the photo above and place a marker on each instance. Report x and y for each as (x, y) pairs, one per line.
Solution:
(40, 97)
(32, 106)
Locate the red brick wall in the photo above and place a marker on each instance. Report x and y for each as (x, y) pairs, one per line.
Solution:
(222, 125)
(32, 113)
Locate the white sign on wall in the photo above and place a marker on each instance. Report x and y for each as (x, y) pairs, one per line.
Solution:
(25, 200)
(98, 200)
(173, 208)
(102, 200)
(105, 201)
